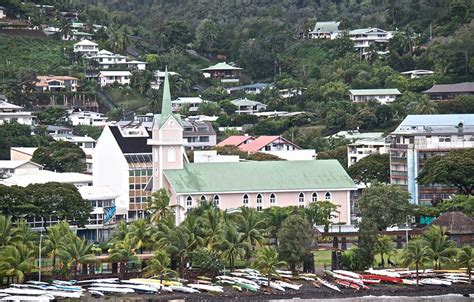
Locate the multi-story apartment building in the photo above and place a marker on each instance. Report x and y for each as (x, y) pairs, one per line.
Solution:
(420, 137)
(122, 160)
(198, 135)
(365, 147)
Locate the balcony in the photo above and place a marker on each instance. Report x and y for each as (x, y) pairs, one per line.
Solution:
(399, 146)
(398, 173)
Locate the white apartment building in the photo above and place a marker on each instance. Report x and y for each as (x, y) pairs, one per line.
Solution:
(364, 37)
(365, 147)
(78, 117)
(420, 137)
(382, 96)
(10, 112)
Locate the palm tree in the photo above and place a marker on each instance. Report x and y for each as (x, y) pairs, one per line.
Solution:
(76, 252)
(416, 253)
(24, 234)
(466, 259)
(121, 231)
(274, 218)
(440, 248)
(249, 226)
(179, 243)
(211, 223)
(159, 206)
(124, 252)
(140, 232)
(159, 264)
(55, 240)
(7, 231)
(16, 261)
(384, 245)
(233, 245)
(267, 262)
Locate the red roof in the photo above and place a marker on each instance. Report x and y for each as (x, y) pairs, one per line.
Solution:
(234, 140)
(263, 141)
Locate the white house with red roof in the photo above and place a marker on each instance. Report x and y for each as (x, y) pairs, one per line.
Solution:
(262, 143)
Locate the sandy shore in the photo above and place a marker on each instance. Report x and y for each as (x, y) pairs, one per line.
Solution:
(307, 291)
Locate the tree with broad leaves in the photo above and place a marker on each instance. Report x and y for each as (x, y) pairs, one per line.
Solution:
(375, 167)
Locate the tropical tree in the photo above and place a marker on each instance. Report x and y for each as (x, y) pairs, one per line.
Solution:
(140, 232)
(416, 253)
(274, 218)
(16, 261)
(55, 240)
(7, 231)
(179, 243)
(232, 245)
(76, 252)
(267, 262)
(211, 223)
(24, 234)
(159, 206)
(250, 225)
(440, 247)
(158, 265)
(466, 259)
(123, 252)
(384, 246)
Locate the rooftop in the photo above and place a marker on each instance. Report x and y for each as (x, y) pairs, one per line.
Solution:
(25, 177)
(433, 123)
(221, 66)
(262, 141)
(327, 26)
(374, 91)
(360, 31)
(13, 164)
(251, 86)
(85, 42)
(234, 140)
(456, 223)
(187, 100)
(242, 176)
(4, 105)
(355, 135)
(130, 144)
(115, 73)
(97, 192)
(246, 102)
(445, 88)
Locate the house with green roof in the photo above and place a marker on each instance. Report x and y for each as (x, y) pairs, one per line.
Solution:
(325, 30)
(226, 73)
(233, 185)
(383, 96)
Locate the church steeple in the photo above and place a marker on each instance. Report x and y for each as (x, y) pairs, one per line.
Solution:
(166, 109)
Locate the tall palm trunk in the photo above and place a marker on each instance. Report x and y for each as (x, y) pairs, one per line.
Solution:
(181, 267)
(269, 279)
(382, 260)
(417, 279)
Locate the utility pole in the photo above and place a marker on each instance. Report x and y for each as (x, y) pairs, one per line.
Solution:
(39, 258)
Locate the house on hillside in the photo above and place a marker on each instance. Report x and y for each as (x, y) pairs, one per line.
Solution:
(9, 167)
(107, 59)
(231, 185)
(91, 118)
(56, 83)
(417, 73)
(71, 16)
(262, 143)
(192, 103)
(325, 30)
(86, 48)
(226, 73)
(160, 78)
(110, 77)
(11, 112)
(382, 96)
(136, 65)
(365, 37)
(198, 135)
(256, 88)
(246, 106)
(76, 35)
(441, 92)
(3, 12)
(365, 147)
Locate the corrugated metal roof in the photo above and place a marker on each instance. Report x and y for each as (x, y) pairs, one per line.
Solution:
(327, 26)
(375, 91)
(264, 176)
(445, 88)
(221, 66)
(234, 140)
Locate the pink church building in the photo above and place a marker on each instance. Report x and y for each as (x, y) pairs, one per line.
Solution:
(233, 185)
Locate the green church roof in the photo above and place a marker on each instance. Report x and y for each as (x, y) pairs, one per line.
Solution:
(259, 176)
(166, 108)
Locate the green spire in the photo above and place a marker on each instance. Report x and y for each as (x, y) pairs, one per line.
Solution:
(166, 103)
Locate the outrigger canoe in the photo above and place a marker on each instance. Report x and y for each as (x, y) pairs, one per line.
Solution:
(328, 285)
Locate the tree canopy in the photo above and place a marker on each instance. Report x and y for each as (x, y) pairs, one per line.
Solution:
(61, 156)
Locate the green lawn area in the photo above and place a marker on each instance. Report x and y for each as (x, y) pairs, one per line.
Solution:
(127, 98)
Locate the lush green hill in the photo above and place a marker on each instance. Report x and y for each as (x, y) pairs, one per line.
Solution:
(42, 55)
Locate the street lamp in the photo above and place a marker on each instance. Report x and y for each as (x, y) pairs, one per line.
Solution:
(39, 258)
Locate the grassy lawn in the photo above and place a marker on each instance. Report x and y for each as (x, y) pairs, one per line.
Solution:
(131, 101)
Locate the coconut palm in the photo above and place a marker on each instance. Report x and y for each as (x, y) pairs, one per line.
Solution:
(55, 240)
(159, 206)
(140, 232)
(384, 246)
(267, 262)
(250, 226)
(179, 243)
(16, 261)
(121, 231)
(466, 259)
(158, 265)
(274, 218)
(77, 251)
(416, 253)
(211, 223)
(7, 231)
(123, 252)
(24, 234)
(232, 245)
(440, 247)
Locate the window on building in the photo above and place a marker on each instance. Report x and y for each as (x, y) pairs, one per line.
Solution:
(272, 199)
(216, 200)
(245, 200)
(314, 197)
(189, 202)
(301, 200)
(328, 196)
(171, 155)
(259, 202)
